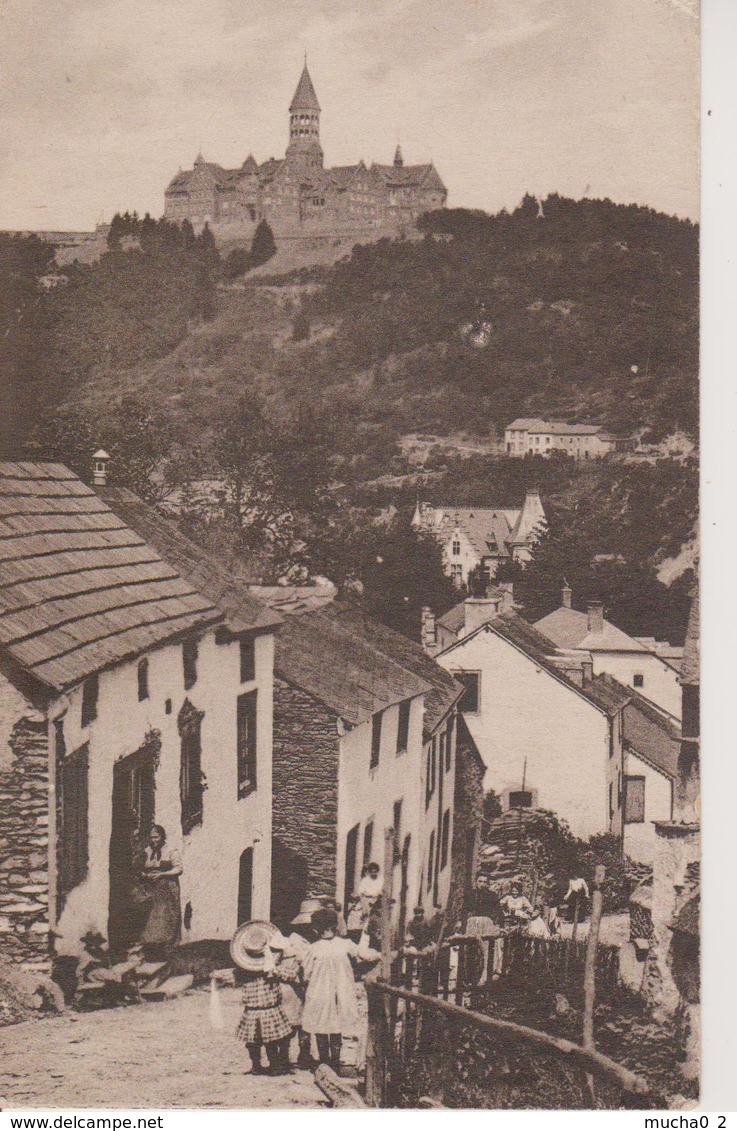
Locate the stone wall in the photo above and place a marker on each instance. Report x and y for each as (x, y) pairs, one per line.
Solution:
(305, 808)
(24, 847)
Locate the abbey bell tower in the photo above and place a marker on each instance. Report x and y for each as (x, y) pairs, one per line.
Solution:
(304, 125)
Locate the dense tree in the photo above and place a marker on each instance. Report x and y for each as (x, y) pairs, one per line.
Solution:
(263, 246)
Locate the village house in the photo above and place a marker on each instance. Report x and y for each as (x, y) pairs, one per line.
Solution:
(136, 687)
(649, 666)
(531, 436)
(554, 735)
(471, 537)
(364, 741)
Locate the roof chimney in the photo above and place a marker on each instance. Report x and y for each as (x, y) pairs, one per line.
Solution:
(595, 611)
(566, 596)
(99, 468)
(478, 611)
(428, 631)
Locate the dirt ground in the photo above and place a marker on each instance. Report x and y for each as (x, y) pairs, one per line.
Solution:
(157, 1055)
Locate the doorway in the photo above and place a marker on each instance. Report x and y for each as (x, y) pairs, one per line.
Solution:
(134, 789)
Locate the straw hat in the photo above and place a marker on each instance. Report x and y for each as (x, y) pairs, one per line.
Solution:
(249, 947)
(307, 909)
(92, 937)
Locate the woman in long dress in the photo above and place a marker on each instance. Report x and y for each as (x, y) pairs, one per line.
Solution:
(330, 1010)
(160, 871)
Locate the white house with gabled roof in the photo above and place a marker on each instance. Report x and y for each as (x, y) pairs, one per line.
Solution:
(650, 667)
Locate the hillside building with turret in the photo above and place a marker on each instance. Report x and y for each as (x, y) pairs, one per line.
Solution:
(297, 193)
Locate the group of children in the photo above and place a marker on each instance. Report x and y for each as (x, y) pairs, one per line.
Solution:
(304, 985)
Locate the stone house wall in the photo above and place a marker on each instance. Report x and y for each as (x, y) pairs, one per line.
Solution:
(305, 805)
(24, 846)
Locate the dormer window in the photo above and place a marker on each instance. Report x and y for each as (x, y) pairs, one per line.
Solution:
(456, 547)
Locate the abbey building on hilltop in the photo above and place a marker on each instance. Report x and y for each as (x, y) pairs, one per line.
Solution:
(297, 193)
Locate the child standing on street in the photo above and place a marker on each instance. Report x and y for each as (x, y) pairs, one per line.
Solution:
(330, 1010)
(264, 1022)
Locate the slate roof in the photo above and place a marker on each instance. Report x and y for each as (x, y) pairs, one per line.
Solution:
(487, 529)
(520, 633)
(305, 97)
(243, 611)
(403, 176)
(79, 589)
(444, 690)
(535, 425)
(341, 669)
(569, 628)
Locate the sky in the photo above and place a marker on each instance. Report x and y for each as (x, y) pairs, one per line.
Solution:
(102, 101)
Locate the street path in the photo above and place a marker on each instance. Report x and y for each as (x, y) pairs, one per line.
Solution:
(157, 1055)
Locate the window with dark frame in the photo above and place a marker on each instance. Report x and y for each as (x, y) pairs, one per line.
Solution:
(191, 789)
(247, 745)
(430, 860)
(443, 738)
(248, 658)
(611, 800)
(403, 727)
(445, 840)
(72, 799)
(638, 680)
(449, 746)
(375, 739)
(634, 799)
(190, 650)
(90, 693)
(368, 841)
(470, 700)
(142, 680)
(397, 824)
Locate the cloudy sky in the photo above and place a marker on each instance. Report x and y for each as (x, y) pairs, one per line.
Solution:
(101, 101)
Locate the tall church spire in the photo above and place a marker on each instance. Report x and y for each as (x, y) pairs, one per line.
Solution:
(304, 125)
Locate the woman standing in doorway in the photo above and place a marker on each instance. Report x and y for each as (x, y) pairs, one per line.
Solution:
(161, 868)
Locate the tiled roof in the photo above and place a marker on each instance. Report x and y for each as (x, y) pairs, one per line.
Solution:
(79, 589)
(243, 611)
(444, 691)
(455, 618)
(524, 423)
(341, 669)
(535, 424)
(403, 176)
(486, 528)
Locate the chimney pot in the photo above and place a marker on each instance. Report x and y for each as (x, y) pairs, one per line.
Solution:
(566, 595)
(595, 611)
(99, 468)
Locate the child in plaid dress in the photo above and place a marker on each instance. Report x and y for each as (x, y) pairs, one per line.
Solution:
(264, 1022)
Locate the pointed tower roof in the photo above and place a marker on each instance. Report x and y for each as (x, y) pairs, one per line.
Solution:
(304, 96)
(398, 158)
(531, 522)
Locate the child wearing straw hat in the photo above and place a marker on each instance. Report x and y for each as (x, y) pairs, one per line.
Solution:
(264, 1022)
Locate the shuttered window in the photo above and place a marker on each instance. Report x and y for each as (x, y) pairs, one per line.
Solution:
(191, 790)
(142, 680)
(248, 659)
(375, 739)
(90, 691)
(189, 663)
(72, 848)
(445, 840)
(634, 800)
(247, 747)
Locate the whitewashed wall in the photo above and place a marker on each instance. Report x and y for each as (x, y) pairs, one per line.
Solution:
(639, 839)
(211, 852)
(662, 684)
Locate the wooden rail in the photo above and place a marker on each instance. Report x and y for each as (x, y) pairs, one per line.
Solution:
(586, 1058)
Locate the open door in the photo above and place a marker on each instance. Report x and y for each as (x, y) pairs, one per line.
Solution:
(134, 784)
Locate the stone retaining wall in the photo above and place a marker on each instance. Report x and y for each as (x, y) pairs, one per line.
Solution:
(24, 847)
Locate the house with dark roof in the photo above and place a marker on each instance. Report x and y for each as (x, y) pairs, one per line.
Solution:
(650, 666)
(364, 741)
(136, 687)
(549, 731)
(482, 536)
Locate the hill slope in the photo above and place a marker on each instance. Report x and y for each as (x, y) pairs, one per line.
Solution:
(592, 310)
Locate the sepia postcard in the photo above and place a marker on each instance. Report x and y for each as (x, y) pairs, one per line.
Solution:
(349, 555)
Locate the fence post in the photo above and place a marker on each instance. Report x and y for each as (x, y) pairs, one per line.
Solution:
(589, 976)
(386, 906)
(375, 1047)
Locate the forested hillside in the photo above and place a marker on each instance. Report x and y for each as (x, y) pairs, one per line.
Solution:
(293, 394)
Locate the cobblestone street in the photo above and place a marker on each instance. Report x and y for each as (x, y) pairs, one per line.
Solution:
(158, 1055)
